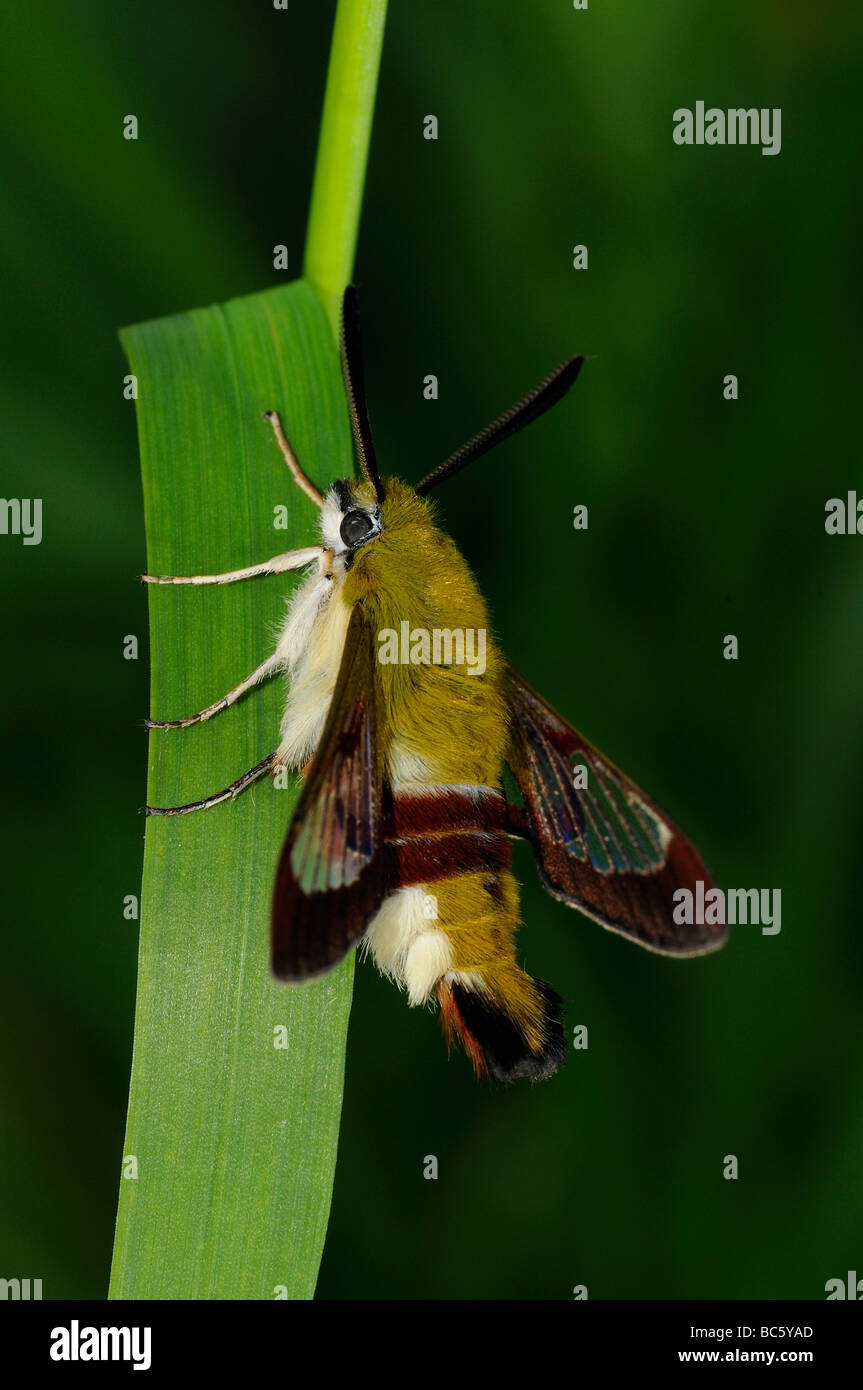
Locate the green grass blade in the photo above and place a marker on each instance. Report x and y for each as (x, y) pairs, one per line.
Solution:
(234, 1139)
(346, 130)
(231, 1138)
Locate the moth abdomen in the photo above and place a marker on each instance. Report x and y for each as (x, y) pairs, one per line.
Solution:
(448, 929)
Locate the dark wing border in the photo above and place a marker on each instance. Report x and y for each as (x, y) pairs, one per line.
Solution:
(332, 874)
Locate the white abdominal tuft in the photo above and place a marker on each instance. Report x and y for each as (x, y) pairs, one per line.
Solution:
(407, 945)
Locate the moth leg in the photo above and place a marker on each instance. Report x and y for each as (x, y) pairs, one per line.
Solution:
(290, 458)
(290, 560)
(266, 668)
(227, 794)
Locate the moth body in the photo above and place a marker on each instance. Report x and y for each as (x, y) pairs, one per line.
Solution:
(401, 715)
(442, 731)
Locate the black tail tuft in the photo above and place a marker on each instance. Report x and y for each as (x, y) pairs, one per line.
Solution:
(493, 1040)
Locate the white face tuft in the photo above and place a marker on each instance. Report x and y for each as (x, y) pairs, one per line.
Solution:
(331, 520)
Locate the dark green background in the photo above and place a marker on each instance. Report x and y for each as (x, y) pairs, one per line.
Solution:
(706, 518)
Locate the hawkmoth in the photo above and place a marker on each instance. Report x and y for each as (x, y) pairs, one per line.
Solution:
(402, 834)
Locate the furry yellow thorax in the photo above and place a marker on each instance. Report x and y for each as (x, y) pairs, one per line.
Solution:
(450, 722)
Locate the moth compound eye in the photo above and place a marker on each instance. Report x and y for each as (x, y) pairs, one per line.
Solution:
(355, 528)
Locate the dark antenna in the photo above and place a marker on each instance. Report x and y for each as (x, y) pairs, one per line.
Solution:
(534, 404)
(355, 388)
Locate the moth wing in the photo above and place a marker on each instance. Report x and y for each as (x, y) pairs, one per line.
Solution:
(331, 872)
(605, 848)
